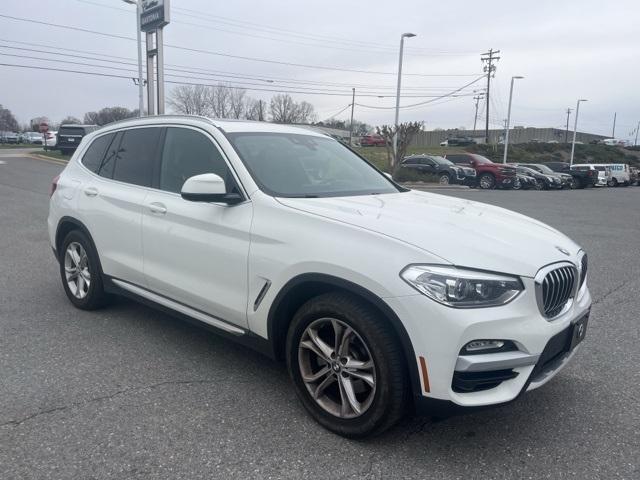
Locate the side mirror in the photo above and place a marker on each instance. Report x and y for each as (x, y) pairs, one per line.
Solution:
(208, 187)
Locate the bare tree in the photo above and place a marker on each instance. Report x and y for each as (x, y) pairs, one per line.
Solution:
(109, 115)
(191, 100)
(284, 109)
(255, 110)
(69, 120)
(7, 120)
(406, 132)
(237, 102)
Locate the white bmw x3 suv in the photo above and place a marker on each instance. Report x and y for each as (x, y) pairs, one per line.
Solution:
(379, 298)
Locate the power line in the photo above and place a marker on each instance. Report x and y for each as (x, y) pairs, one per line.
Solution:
(197, 70)
(450, 94)
(203, 17)
(239, 84)
(227, 55)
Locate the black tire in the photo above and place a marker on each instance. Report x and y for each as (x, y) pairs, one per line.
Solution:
(95, 295)
(613, 182)
(391, 380)
(517, 185)
(487, 181)
(444, 179)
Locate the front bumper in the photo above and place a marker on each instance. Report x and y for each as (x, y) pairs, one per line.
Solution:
(438, 333)
(505, 182)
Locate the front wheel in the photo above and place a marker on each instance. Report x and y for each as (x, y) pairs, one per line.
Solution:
(517, 185)
(347, 366)
(444, 179)
(487, 181)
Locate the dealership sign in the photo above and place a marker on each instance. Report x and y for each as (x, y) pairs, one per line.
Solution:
(154, 14)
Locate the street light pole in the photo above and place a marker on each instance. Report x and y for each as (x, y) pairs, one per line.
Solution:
(575, 128)
(506, 135)
(395, 136)
(139, 35)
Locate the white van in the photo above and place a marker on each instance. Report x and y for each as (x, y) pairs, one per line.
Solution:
(604, 173)
(620, 173)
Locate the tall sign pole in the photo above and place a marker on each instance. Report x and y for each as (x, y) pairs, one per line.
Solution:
(154, 16)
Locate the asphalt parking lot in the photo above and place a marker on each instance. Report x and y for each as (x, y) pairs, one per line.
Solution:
(128, 392)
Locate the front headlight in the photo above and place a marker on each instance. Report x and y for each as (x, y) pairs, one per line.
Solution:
(460, 288)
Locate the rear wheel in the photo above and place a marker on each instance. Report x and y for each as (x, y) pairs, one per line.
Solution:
(613, 182)
(487, 181)
(80, 272)
(347, 366)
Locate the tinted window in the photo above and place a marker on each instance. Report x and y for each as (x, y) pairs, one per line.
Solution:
(187, 153)
(71, 131)
(134, 161)
(95, 153)
(458, 158)
(109, 160)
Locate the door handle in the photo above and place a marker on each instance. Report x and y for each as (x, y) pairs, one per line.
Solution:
(157, 207)
(91, 191)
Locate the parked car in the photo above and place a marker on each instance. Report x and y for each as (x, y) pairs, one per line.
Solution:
(603, 173)
(376, 296)
(372, 141)
(558, 180)
(69, 137)
(50, 140)
(457, 142)
(580, 178)
(620, 174)
(531, 179)
(32, 137)
(446, 171)
(12, 138)
(490, 175)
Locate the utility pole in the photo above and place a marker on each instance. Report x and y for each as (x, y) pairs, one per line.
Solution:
(353, 104)
(566, 132)
(489, 57)
(637, 129)
(477, 98)
(613, 133)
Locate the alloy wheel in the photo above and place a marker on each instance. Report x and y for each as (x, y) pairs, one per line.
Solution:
(337, 368)
(76, 270)
(444, 180)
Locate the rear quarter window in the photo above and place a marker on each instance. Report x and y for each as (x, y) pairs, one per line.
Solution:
(92, 159)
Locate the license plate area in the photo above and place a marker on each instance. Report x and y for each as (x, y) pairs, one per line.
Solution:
(578, 331)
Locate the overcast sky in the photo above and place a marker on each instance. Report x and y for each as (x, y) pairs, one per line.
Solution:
(566, 49)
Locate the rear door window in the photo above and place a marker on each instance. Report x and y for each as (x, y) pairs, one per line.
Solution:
(136, 156)
(94, 155)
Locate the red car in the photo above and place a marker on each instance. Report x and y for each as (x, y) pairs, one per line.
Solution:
(490, 175)
(372, 141)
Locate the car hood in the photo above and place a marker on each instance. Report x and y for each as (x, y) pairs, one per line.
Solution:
(462, 232)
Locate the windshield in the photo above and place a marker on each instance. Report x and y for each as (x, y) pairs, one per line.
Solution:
(441, 160)
(295, 165)
(543, 169)
(481, 159)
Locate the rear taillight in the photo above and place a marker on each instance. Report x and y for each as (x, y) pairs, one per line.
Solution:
(54, 185)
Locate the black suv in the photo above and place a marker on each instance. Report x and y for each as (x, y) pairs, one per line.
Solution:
(444, 169)
(581, 178)
(69, 137)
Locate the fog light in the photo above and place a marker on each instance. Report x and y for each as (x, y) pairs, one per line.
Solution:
(479, 345)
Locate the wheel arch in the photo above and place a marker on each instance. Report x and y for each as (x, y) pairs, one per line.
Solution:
(67, 224)
(303, 287)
